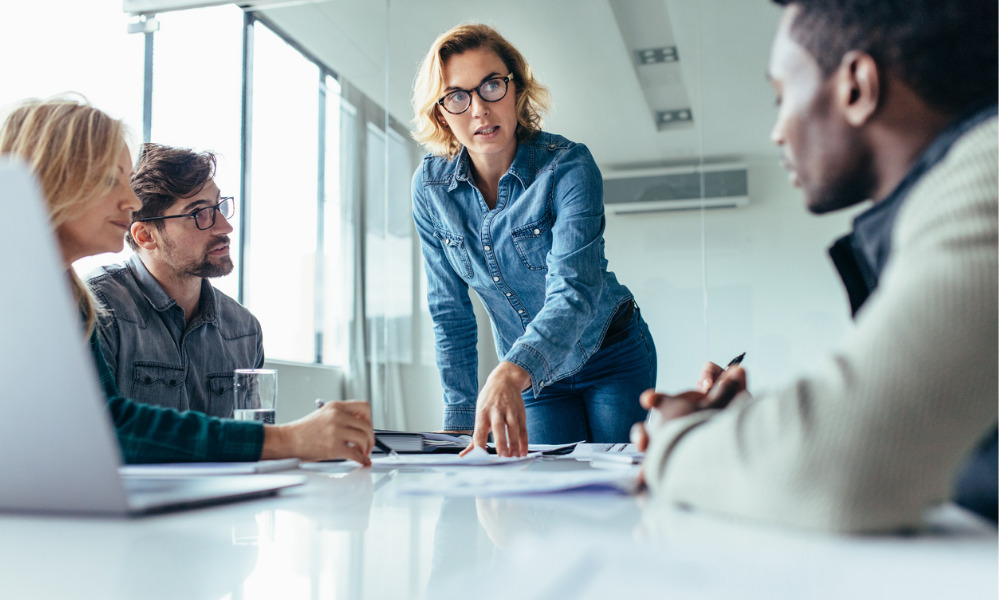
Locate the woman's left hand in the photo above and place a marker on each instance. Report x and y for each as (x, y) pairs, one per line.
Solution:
(500, 409)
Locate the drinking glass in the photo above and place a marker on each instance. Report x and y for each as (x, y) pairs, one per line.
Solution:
(256, 395)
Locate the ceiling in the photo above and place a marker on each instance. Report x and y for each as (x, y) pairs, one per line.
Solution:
(577, 49)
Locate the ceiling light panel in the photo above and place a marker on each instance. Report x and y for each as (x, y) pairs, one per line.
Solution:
(647, 32)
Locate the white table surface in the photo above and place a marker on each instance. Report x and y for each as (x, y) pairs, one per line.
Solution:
(347, 534)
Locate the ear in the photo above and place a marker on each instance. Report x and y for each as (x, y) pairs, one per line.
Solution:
(439, 115)
(142, 233)
(858, 87)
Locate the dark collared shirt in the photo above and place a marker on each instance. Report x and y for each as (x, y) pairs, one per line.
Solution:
(148, 434)
(159, 359)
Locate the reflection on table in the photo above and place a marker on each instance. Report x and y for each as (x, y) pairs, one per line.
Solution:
(348, 534)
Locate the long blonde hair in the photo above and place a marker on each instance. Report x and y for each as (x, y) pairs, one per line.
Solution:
(73, 149)
(531, 97)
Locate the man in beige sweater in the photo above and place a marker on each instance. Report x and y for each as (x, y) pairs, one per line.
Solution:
(892, 102)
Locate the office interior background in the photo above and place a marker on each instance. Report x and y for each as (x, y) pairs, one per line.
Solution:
(307, 104)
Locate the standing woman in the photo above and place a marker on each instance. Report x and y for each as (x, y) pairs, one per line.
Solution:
(517, 214)
(80, 158)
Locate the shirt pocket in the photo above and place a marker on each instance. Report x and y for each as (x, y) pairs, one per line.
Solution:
(533, 242)
(454, 248)
(220, 386)
(158, 384)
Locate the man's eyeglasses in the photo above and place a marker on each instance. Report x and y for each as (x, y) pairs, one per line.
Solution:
(204, 218)
(492, 90)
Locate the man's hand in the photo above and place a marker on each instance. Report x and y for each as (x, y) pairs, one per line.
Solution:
(716, 389)
(337, 430)
(500, 409)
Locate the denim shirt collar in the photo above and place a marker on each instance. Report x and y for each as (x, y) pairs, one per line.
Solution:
(861, 255)
(520, 168)
(158, 298)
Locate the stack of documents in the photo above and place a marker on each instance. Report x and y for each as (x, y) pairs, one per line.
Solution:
(421, 442)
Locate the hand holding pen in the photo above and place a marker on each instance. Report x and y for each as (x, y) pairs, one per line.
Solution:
(378, 443)
(717, 387)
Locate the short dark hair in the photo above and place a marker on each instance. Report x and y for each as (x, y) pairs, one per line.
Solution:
(165, 174)
(946, 50)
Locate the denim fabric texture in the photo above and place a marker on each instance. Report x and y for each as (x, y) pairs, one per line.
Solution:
(536, 260)
(159, 359)
(599, 403)
(150, 434)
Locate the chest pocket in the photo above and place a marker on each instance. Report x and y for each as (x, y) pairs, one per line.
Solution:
(158, 384)
(533, 242)
(454, 248)
(221, 387)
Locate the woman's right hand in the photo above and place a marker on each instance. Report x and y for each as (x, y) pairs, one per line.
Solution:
(500, 409)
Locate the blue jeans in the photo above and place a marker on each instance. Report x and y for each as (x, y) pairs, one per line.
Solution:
(600, 402)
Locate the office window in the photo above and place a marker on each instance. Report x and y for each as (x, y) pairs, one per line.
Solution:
(337, 301)
(389, 248)
(280, 271)
(41, 42)
(196, 96)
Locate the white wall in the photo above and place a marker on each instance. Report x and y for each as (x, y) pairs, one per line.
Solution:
(771, 289)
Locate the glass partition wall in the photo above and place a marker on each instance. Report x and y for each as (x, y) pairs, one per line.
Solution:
(308, 105)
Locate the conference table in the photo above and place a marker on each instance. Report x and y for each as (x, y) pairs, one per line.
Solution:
(352, 532)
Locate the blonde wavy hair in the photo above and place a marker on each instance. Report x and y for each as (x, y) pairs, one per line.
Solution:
(531, 97)
(73, 150)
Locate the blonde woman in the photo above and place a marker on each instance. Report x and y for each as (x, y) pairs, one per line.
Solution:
(517, 214)
(81, 159)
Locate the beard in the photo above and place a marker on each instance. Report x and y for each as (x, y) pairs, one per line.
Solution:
(204, 266)
(847, 177)
(210, 267)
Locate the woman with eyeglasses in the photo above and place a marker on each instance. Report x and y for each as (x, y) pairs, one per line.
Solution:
(82, 162)
(517, 214)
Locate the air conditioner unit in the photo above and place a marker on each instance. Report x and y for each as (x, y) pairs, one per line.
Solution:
(675, 188)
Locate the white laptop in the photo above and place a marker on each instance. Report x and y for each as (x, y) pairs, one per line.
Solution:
(58, 449)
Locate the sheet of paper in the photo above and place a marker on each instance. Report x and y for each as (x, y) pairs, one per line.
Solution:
(489, 482)
(210, 468)
(544, 448)
(621, 453)
(477, 458)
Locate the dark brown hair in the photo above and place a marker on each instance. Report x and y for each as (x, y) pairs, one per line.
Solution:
(165, 174)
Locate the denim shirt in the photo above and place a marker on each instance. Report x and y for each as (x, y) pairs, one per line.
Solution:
(536, 260)
(158, 359)
(148, 434)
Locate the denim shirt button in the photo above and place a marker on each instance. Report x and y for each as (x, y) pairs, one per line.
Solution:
(536, 231)
(496, 279)
(520, 312)
(447, 240)
(552, 146)
(487, 248)
(508, 294)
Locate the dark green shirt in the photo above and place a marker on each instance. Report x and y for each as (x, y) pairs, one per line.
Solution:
(151, 434)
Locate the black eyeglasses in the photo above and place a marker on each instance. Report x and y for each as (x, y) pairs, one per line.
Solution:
(491, 90)
(204, 218)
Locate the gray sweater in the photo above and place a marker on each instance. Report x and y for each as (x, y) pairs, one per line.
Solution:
(874, 435)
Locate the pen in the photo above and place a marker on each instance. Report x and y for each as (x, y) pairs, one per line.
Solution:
(736, 360)
(378, 443)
